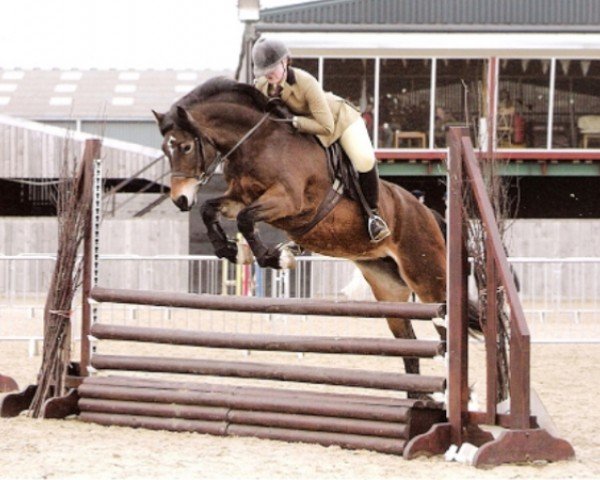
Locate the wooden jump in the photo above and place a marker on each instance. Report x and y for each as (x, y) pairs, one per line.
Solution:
(294, 306)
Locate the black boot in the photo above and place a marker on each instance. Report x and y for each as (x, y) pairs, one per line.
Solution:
(369, 184)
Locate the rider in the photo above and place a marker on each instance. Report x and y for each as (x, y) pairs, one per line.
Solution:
(324, 114)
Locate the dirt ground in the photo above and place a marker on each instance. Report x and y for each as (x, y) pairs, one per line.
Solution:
(562, 375)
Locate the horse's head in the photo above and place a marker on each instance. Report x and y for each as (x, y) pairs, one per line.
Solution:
(208, 120)
(189, 154)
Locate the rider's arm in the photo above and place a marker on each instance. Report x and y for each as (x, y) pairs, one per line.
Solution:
(320, 121)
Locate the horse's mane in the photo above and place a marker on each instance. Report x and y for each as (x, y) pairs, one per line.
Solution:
(245, 94)
(219, 85)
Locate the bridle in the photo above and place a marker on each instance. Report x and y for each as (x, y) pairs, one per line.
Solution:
(203, 174)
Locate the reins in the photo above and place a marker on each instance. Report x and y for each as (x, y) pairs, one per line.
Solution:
(204, 176)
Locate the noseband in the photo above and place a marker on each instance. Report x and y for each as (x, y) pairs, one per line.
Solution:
(203, 173)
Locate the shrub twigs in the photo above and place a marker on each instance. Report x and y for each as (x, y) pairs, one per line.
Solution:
(72, 206)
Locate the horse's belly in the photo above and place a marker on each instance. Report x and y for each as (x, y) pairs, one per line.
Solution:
(342, 236)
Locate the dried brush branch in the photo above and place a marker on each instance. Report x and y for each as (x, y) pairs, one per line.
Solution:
(498, 192)
(72, 215)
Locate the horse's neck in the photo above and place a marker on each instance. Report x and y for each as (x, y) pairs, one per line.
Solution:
(229, 122)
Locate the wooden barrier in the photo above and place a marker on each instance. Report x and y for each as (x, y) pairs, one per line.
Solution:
(294, 306)
(378, 422)
(302, 416)
(282, 343)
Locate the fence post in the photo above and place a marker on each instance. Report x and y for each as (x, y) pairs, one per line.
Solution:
(458, 389)
(90, 153)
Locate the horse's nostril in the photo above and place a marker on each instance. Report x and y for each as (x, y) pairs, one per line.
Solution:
(182, 203)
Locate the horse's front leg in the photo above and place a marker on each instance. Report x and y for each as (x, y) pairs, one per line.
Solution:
(265, 210)
(223, 246)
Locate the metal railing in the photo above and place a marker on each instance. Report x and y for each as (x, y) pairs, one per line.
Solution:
(561, 296)
(157, 179)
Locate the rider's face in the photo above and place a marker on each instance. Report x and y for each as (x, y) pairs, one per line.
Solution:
(275, 76)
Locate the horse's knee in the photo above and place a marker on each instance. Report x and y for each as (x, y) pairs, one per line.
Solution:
(208, 212)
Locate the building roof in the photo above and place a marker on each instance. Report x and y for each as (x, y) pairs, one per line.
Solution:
(435, 15)
(95, 94)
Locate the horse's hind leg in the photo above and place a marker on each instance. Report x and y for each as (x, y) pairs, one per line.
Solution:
(423, 267)
(387, 285)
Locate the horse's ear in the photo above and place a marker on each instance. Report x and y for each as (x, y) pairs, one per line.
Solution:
(186, 121)
(163, 125)
(159, 117)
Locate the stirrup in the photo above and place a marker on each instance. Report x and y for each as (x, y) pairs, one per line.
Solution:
(378, 229)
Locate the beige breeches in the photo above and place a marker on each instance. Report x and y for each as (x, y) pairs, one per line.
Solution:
(356, 143)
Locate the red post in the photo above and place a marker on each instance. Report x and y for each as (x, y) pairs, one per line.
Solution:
(458, 391)
(519, 377)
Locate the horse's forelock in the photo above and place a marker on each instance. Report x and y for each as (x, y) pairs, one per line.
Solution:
(165, 126)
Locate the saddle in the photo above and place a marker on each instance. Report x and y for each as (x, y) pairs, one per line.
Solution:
(342, 173)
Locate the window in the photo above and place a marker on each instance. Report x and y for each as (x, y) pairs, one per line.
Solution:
(576, 115)
(523, 103)
(311, 65)
(460, 96)
(353, 80)
(404, 103)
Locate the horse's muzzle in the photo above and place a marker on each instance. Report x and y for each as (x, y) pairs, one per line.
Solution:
(183, 204)
(183, 192)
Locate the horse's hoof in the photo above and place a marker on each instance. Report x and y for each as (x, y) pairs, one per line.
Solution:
(228, 250)
(270, 260)
(287, 259)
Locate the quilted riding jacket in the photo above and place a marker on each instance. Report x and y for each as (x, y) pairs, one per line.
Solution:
(320, 113)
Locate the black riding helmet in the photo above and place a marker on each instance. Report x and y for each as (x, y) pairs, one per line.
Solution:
(266, 54)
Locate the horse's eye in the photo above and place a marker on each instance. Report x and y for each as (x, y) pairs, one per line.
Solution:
(187, 148)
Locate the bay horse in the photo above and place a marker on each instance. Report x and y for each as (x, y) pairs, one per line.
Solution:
(279, 176)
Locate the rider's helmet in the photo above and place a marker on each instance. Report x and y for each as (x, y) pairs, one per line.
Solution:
(266, 54)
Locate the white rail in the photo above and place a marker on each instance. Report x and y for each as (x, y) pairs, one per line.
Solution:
(561, 295)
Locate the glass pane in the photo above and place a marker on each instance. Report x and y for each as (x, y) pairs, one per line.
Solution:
(460, 96)
(576, 104)
(354, 80)
(523, 94)
(404, 93)
(311, 65)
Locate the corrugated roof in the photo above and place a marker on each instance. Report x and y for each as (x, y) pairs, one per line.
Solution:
(94, 94)
(441, 15)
